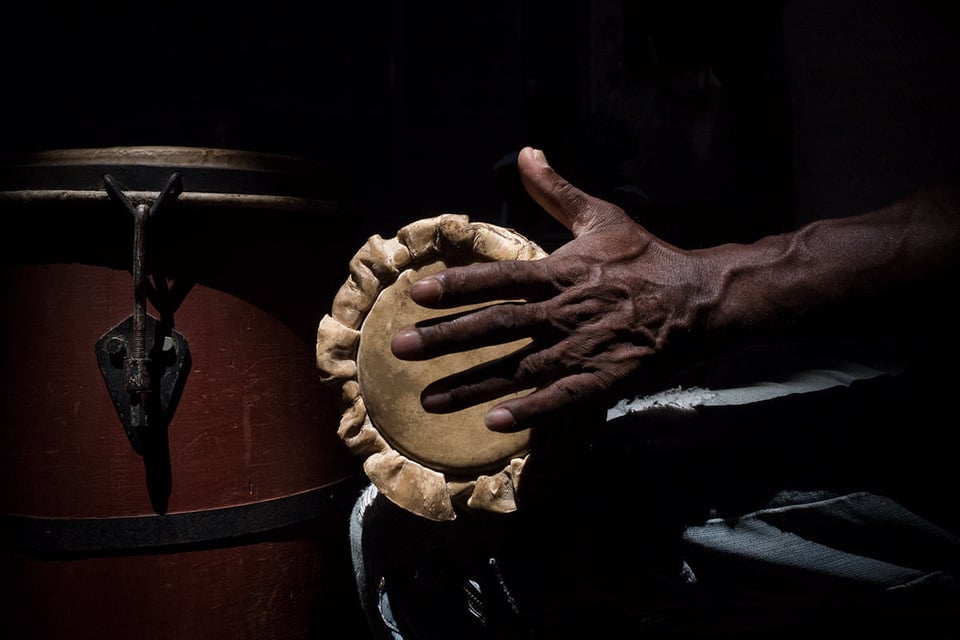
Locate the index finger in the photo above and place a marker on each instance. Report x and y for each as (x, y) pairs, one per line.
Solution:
(483, 282)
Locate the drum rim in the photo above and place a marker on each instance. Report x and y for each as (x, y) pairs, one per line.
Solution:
(212, 177)
(162, 156)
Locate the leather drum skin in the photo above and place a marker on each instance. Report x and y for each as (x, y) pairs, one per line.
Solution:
(430, 464)
(456, 443)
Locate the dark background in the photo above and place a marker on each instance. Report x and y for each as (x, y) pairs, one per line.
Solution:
(708, 120)
(665, 106)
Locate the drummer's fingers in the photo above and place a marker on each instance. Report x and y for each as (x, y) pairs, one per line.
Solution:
(494, 324)
(577, 211)
(482, 282)
(492, 380)
(534, 408)
(525, 370)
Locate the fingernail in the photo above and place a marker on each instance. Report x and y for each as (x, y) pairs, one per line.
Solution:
(406, 343)
(500, 419)
(540, 158)
(426, 290)
(436, 401)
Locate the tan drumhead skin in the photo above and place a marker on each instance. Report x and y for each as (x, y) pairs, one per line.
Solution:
(430, 464)
(458, 443)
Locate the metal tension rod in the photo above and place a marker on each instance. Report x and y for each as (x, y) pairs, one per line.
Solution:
(136, 362)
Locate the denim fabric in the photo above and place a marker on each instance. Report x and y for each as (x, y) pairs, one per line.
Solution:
(858, 538)
(418, 579)
(373, 597)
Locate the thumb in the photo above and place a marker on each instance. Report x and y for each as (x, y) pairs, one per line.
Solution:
(577, 211)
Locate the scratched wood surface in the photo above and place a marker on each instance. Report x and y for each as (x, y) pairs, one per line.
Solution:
(253, 424)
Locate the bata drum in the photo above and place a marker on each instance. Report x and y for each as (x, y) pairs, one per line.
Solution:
(430, 464)
(169, 459)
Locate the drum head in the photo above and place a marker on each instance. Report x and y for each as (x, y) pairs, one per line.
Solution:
(422, 461)
(457, 443)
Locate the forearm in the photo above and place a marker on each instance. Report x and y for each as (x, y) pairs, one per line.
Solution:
(781, 278)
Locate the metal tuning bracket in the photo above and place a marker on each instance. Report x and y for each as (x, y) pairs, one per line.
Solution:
(143, 360)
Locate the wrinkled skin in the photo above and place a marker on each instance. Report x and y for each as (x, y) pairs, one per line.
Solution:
(603, 304)
(596, 309)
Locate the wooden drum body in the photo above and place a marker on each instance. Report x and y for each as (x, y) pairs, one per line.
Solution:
(220, 510)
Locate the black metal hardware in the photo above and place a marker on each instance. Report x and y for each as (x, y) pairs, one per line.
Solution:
(143, 360)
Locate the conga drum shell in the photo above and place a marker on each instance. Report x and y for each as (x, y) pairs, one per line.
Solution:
(240, 502)
(430, 464)
(248, 427)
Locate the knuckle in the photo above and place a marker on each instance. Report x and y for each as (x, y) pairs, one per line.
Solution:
(580, 387)
(531, 366)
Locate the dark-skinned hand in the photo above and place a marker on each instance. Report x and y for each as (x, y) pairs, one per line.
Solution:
(596, 308)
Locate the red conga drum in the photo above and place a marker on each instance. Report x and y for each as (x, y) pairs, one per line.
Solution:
(169, 461)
